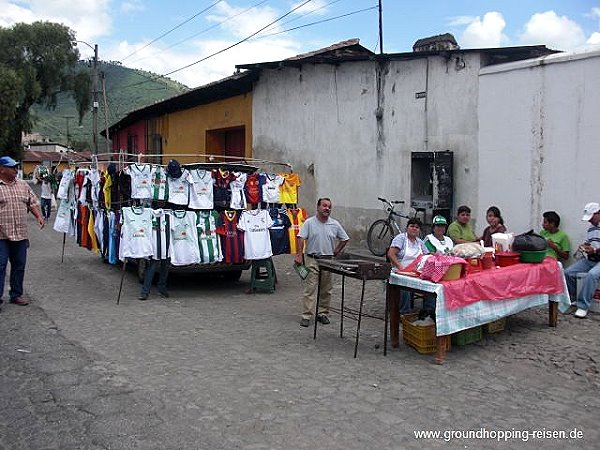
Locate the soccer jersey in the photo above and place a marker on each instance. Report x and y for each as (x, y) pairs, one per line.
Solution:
(179, 188)
(161, 234)
(270, 183)
(136, 233)
(208, 240)
(257, 242)
(238, 199)
(184, 238)
(94, 186)
(280, 240)
(113, 238)
(232, 238)
(221, 188)
(65, 186)
(159, 183)
(63, 223)
(141, 180)
(107, 188)
(201, 190)
(288, 191)
(252, 189)
(297, 218)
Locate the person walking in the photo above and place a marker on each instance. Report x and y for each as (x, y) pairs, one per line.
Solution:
(588, 264)
(324, 238)
(16, 200)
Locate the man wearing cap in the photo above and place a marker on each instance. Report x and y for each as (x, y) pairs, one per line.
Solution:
(588, 264)
(436, 242)
(16, 200)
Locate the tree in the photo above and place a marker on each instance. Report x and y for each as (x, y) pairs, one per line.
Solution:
(37, 61)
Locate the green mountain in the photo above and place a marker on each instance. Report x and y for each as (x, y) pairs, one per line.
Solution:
(126, 90)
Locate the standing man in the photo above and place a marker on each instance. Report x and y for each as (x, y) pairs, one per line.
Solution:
(325, 238)
(16, 200)
(588, 263)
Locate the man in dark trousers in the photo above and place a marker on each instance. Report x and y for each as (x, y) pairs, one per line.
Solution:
(16, 200)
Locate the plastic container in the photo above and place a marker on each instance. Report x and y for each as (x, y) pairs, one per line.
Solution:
(453, 272)
(496, 326)
(532, 256)
(487, 261)
(505, 259)
(422, 339)
(466, 337)
(474, 265)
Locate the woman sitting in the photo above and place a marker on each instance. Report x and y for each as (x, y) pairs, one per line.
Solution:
(404, 250)
(436, 242)
(495, 225)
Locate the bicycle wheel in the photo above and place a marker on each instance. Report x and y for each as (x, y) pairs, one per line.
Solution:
(379, 236)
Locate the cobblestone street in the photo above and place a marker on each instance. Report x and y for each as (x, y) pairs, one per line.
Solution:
(214, 368)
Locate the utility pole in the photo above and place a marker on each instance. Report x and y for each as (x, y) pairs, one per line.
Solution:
(95, 104)
(67, 118)
(380, 29)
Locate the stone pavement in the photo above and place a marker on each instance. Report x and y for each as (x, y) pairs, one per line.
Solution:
(214, 368)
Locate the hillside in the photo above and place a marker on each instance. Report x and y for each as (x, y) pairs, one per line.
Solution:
(124, 93)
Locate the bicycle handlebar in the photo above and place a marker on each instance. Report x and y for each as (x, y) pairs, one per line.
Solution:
(394, 202)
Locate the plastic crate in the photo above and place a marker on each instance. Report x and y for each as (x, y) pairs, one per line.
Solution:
(422, 339)
(466, 337)
(496, 326)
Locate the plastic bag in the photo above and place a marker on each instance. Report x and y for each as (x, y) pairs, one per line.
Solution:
(530, 242)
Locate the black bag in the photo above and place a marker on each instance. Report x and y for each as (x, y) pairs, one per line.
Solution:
(529, 242)
(593, 257)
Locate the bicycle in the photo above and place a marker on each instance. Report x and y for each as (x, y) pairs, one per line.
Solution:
(382, 231)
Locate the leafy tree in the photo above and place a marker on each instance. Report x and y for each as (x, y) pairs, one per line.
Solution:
(37, 61)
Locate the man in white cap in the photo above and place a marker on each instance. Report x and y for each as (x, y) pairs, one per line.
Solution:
(16, 200)
(588, 264)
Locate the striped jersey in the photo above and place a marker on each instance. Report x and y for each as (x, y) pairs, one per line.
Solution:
(232, 239)
(297, 217)
(159, 183)
(208, 240)
(161, 234)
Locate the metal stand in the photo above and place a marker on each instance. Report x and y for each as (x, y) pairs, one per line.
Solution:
(122, 276)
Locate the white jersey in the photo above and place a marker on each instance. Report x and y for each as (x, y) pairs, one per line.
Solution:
(161, 234)
(94, 182)
(179, 188)
(208, 240)
(141, 180)
(270, 187)
(66, 184)
(238, 198)
(136, 233)
(99, 216)
(63, 223)
(257, 243)
(184, 238)
(201, 190)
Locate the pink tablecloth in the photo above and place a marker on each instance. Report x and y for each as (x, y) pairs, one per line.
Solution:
(505, 283)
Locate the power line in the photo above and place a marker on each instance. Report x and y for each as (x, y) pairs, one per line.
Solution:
(230, 46)
(300, 16)
(172, 29)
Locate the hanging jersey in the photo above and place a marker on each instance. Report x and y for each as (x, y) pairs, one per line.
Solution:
(106, 189)
(201, 190)
(159, 183)
(113, 238)
(179, 188)
(92, 232)
(297, 218)
(184, 238)
(141, 180)
(232, 238)
(270, 183)
(94, 186)
(99, 228)
(252, 189)
(280, 241)
(208, 240)
(136, 233)
(221, 188)
(65, 187)
(161, 234)
(255, 224)
(288, 191)
(64, 215)
(238, 198)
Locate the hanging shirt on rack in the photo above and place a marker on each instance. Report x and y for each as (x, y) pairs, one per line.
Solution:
(201, 191)
(184, 238)
(270, 183)
(113, 237)
(179, 188)
(252, 189)
(159, 183)
(161, 234)
(256, 223)
(221, 188)
(141, 180)
(208, 240)
(136, 232)
(280, 241)
(65, 188)
(297, 217)
(288, 191)
(63, 223)
(94, 186)
(238, 199)
(232, 238)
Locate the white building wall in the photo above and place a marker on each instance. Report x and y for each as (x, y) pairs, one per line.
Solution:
(323, 120)
(538, 140)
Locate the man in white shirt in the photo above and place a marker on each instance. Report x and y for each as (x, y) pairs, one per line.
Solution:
(325, 238)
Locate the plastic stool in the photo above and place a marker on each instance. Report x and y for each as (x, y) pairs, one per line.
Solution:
(263, 275)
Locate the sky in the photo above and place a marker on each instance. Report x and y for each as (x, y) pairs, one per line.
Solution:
(201, 41)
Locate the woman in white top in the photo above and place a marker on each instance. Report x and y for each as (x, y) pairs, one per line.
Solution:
(405, 249)
(436, 242)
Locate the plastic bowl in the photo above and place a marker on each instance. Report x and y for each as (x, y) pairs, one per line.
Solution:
(532, 256)
(504, 259)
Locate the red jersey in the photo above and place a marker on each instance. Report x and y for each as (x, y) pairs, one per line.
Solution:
(252, 189)
(232, 238)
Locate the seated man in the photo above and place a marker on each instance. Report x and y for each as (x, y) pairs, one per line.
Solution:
(558, 241)
(588, 264)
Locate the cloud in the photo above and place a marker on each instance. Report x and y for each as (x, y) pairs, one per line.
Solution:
(552, 30)
(595, 12)
(457, 21)
(130, 6)
(594, 39)
(238, 22)
(486, 32)
(314, 7)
